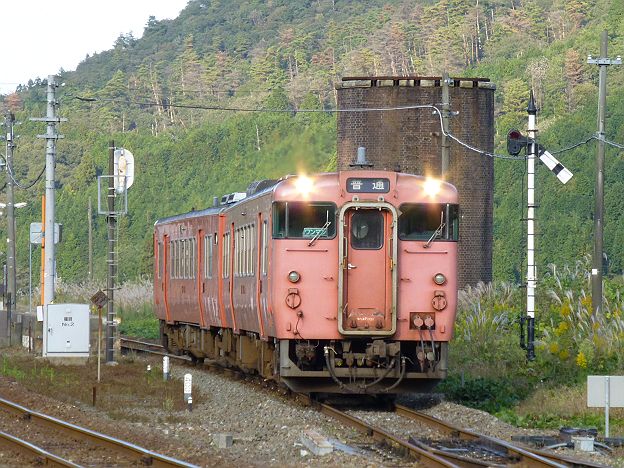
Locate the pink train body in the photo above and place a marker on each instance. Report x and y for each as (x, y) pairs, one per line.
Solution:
(337, 283)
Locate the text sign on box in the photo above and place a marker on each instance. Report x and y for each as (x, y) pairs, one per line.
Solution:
(596, 391)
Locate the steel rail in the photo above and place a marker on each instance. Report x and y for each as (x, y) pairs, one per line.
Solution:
(134, 451)
(425, 457)
(527, 457)
(43, 457)
(147, 347)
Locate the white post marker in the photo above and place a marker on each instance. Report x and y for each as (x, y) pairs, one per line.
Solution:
(165, 368)
(188, 388)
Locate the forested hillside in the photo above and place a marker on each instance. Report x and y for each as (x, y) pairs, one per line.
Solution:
(158, 96)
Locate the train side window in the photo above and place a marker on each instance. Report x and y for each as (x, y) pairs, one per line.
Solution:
(176, 255)
(194, 257)
(265, 247)
(210, 256)
(191, 257)
(252, 249)
(420, 221)
(177, 259)
(171, 259)
(161, 257)
(180, 258)
(185, 258)
(174, 258)
(248, 246)
(226, 255)
(279, 219)
(243, 252)
(238, 251)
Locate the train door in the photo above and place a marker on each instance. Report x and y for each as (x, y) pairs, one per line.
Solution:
(367, 285)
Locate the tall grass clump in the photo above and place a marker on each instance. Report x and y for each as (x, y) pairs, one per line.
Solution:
(486, 338)
(574, 340)
(485, 355)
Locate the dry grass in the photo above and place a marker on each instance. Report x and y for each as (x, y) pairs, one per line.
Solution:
(563, 401)
(126, 391)
(129, 296)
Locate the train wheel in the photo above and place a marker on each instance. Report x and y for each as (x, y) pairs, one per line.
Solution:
(197, 361)
(164, 341)
(385, 401)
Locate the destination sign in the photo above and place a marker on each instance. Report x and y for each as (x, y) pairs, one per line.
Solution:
(368, 185)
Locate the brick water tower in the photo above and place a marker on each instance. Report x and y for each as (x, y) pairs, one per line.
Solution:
(411, 141)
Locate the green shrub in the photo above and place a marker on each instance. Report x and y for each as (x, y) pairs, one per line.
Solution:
(483, 393)
(139, 322)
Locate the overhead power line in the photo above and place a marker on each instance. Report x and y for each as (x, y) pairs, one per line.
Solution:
(434, 108)
(325, 111)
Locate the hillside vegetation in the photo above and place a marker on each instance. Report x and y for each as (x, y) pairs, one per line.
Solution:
(157, 96)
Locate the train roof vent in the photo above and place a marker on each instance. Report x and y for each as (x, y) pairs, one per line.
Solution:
(233, 197)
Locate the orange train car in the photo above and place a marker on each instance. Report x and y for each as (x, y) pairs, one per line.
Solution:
(333, 283)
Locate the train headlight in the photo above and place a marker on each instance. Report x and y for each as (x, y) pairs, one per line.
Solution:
(439, 279)
(304, 184)
(293, 276)
(432, 187)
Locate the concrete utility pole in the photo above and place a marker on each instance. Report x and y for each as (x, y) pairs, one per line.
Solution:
(90, 220)
(11, 275)
(531, 266)
(48, 227)
(603, 62)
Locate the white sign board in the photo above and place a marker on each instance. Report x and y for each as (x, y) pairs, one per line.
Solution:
(124, 169)
(596, 391)
(36, 233)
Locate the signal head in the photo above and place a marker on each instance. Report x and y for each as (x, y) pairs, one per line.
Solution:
(516, 141)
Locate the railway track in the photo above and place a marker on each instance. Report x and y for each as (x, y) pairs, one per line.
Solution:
(50, 428)
(523, 456)
(501, 453)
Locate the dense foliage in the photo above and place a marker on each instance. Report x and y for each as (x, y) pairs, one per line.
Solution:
(157, 97)
(488, 370)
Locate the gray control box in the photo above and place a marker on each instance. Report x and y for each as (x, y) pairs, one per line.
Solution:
(66, 330)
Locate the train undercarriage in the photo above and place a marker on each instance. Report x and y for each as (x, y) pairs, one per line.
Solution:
(350, 366)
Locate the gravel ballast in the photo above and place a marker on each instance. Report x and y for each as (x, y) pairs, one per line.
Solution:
(266, 426)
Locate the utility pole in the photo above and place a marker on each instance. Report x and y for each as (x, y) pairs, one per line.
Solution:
(531, 267)
(603, 62)
(90, 216)
(112, 220)
(446, 144)
(48, 227)
(11, 276)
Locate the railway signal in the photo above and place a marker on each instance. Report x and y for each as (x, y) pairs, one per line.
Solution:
(516, 142)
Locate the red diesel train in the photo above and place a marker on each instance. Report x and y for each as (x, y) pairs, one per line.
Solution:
(333, 283)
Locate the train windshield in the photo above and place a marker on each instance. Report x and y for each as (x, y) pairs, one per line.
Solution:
(301, 220)
(429, 221)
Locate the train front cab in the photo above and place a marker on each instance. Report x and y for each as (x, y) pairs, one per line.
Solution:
(390, 323)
